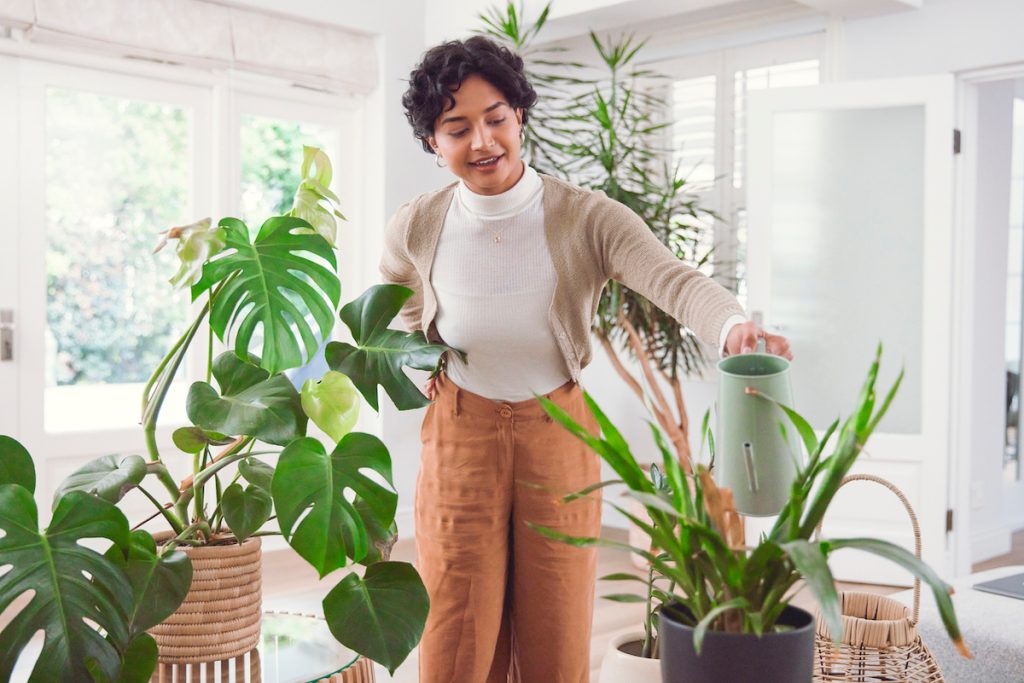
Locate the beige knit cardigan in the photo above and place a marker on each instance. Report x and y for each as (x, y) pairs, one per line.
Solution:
(591, 239)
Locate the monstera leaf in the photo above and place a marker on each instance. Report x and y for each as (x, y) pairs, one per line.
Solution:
(380, 615)
(16, 464)
(332, 403)
(159, 584)
(308, 479)
(382, 537)
(194, 439)
(256, 472)
(251, 402)
(65, 605)
(314, 202)
(109, 477)
(379, 353)
(276, 282)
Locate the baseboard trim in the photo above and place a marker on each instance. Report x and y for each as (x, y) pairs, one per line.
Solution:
(990, 543)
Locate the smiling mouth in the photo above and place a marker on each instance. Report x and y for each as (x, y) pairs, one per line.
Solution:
(488, 162)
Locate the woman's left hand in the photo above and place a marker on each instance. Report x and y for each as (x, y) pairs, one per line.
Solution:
(743, 339)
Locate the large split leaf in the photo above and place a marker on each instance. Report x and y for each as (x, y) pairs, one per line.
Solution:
(16, 464)
(109, 477)
(159, 584)
(379, 353)
(314, 202)
(308, 479)
(252, 402)
(380, 615)
(245, 510)
(54, 566)
(332, 403)
(278, 282)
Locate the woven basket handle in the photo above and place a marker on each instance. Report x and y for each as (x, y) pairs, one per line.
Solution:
(913, 522)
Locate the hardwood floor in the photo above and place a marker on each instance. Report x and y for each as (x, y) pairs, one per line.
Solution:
(288, 580)
(1015, 556)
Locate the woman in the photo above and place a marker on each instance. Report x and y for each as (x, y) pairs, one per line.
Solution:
(507, 266)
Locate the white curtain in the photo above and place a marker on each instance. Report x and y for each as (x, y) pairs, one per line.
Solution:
(205, 33)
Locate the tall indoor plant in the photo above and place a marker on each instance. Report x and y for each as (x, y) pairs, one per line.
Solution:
(274, 294)
(608, 133)
(717, 585)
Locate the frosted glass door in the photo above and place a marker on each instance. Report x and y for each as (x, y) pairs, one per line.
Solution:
(846, 253)
(849, 246)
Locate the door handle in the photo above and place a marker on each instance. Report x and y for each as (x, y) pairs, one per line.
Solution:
(6, 335)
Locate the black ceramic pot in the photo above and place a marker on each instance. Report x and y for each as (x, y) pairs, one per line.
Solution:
(783, 657)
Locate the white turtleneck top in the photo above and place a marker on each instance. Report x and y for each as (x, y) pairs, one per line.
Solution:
(494, 282)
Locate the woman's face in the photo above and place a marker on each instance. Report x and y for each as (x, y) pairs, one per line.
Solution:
(479, 139)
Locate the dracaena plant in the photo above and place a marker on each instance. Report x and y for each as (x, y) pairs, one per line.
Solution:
(272, 297)
(702, 573)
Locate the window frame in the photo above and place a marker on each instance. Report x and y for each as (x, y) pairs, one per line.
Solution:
(212, 99)
(722, 197)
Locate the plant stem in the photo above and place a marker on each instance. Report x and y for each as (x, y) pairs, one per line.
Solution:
(209, 341)
(167, 369)
(649, 617)
(182, 537)
(164, 510)
(229, 455)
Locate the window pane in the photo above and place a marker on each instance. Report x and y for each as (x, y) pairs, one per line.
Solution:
(271, 160)
(117, 173)
(693, 129)
(775, 76)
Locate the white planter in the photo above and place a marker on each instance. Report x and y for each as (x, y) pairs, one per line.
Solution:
(619, 667)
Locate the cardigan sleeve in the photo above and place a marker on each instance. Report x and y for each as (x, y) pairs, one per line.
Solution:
(397, 268)
(632, 255)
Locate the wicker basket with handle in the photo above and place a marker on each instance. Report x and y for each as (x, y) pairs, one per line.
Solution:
(880, 639)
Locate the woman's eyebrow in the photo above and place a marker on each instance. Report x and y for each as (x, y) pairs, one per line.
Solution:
(449, 119)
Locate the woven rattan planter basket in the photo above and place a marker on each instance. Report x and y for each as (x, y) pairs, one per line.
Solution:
(220, 617)
(880, 639)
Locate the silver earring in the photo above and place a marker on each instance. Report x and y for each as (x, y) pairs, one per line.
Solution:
(438, 159)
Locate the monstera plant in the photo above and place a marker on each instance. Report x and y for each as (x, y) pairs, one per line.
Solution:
(271, 296)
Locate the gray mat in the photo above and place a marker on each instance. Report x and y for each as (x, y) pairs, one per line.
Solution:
(993, 627)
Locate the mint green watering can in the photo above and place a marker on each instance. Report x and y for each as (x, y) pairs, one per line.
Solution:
(752, 456)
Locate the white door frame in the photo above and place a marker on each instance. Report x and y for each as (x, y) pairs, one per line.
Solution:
(964, 276)
(9, 283)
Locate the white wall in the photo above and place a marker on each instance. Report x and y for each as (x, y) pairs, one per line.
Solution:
(943, 36)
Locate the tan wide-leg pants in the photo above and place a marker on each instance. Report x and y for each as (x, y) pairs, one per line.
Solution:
(506, 604)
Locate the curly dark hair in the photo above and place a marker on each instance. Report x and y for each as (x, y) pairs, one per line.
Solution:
(443, 69)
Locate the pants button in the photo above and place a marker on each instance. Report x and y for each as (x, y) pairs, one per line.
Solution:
(505, 411)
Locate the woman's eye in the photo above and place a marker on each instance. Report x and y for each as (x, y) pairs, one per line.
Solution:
(458, 133)
(497, 122)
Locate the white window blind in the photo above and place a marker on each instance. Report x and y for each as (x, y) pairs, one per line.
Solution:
(707, 105)
(693, 129)
(203, 33)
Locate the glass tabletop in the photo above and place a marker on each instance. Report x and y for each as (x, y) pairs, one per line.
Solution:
(297, 648)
